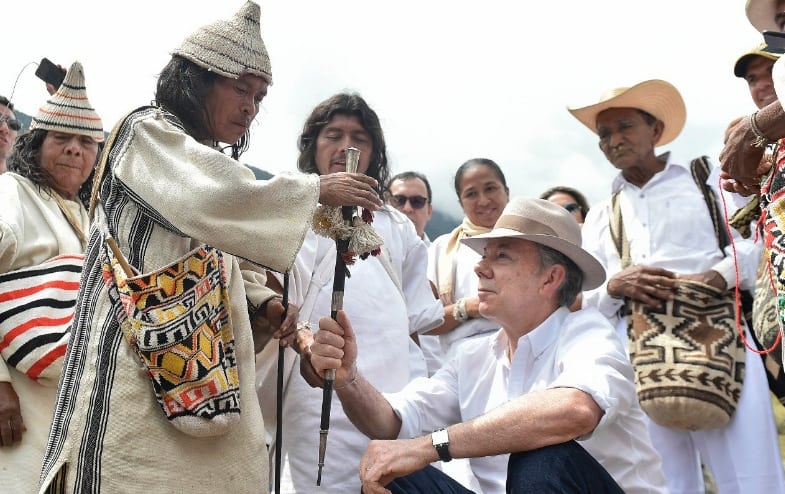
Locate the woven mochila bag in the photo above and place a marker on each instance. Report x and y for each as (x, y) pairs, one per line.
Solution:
(177, 320)
(687, 357)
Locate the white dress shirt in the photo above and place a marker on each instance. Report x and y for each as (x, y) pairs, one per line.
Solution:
(577, 350)
(686, 246)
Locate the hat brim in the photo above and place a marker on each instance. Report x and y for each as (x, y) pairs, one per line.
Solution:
(593, 272)
(740, 69)
(761, 14)
(658, 98)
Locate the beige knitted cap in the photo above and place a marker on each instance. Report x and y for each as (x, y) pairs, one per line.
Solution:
(69, 110)
(230, 48)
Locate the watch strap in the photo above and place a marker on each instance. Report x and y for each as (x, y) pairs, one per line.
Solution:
(441, 442)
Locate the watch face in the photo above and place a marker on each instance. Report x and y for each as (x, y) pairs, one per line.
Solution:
(440, 437)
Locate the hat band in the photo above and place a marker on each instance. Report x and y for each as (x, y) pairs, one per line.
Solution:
(525, 225)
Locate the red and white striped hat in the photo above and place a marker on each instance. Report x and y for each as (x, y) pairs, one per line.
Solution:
(68, 110)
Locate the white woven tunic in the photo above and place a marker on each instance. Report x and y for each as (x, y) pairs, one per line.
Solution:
(32, 230)
(162, 195)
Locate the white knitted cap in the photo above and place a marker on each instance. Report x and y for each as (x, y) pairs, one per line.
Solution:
(230, 48)
(69, 110)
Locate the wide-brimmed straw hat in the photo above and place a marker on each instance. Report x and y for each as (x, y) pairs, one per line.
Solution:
(762, 50)
(230, 48)
(658, 98)
(545, 223)
(68, 110)
(761, 14)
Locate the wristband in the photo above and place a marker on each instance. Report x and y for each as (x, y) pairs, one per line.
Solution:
(459, 312)
(760, 139)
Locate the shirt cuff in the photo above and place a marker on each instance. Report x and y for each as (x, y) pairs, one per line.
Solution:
(727, 270)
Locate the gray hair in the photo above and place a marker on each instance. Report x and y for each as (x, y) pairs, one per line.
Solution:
(573, 280)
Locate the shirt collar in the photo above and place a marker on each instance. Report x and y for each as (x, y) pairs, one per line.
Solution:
(544, 335)
(619, 182)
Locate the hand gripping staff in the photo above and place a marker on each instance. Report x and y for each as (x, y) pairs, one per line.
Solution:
(353, 236)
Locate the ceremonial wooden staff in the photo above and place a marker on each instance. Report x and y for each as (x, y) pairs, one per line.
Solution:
(354, 236)
(339, 282)
(279, 391)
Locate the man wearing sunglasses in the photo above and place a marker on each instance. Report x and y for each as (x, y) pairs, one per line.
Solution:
(9, 126)
(410, 193)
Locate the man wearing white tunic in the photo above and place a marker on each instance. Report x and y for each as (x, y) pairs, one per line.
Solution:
(165, 190)
(388, 295)
(672, 238)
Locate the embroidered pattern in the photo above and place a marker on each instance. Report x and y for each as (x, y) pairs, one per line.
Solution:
(177, 320)
(688, 359)
(772, 201)
(36, 310)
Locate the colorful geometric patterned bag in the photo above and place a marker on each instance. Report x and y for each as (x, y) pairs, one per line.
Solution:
(36, 309)
(687, 357)
(772, 201)
(177, 320)
(766, 327)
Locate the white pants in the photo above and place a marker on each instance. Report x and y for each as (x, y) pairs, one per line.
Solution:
(743, 456)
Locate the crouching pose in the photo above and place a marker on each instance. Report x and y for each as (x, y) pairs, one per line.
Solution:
(545, 404)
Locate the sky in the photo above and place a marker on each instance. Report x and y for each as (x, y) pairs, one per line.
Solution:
(450, 80)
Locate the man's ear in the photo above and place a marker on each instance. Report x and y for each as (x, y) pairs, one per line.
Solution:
(659, 128)
(553, 278)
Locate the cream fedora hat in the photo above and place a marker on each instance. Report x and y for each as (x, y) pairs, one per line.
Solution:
(761, 14)
(545, 223)
(656, 97)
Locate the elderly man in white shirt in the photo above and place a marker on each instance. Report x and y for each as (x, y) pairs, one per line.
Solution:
(545, 404)
(671, 238)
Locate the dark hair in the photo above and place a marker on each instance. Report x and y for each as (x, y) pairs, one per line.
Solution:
(573, 279)
(351, 104)
(5, 101)
(403, 176)
(478, 162)
(25, 160)
(579, 198)
(182, 89)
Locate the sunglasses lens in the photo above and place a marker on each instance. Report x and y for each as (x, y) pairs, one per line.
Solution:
(12, 123)
(417, 202)
(399, 201)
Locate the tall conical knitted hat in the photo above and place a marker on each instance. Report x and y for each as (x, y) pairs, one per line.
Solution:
(230, 48)
(69, 110)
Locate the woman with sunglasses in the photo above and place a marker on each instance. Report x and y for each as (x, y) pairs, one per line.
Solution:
(482, 193)
(570, 199)
(43, 226)
(9, 126)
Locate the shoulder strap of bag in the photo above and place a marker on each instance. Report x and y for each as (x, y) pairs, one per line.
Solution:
(700, 173)
(618, 234)
(100, 169)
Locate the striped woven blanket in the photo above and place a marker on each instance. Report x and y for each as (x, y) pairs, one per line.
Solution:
(36, 308)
